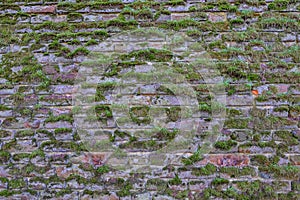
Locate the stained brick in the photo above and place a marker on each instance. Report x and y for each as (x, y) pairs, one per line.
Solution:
(39, 9)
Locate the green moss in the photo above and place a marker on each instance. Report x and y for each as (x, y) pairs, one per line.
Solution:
(16, 183)
(233, 112)
(24, 133)
(4, 107)
(165, 134)
(259, 160)
(236, 21)
(149, 145)
(74, 17)
(62, 130)
(78, 51)
(4, 156)
(193, 158)
(102, 88)
(271, 122)
(281, 109)
(125, 187)
(209, 169)
(103, 169)
(63, 117)
(225, 145)
(227, 7)
(287, 137)
(149, 54)
(91, 42)
(278, 22)
(31, 70)
(36, 153)
(7, 193)
(256, 189)
(9, 145)
(287, 171)
(236, 123)
(103, 112)
(161, 185)
(237, 172)
(140, 114)
(20, 156)
(280, 4)
(63, 192)
(175, 181)
(219, 181)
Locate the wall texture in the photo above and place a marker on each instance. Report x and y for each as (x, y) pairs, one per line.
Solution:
(255, 46)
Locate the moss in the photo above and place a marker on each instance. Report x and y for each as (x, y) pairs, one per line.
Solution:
(36, 153)
(225, 145)
(140, 114)
(236, 21)
(271, 122)
(219, 181)
(238, 172)
(24, 133)
(287, 171)
(9, 145)
(102, 88)
(281, 109)
(233, 112)
(161, 185)
(63, 192)
(260, 160)
(149, 145)
(103, 112)
(287, 137)
(280, 4)
(236, 123)
(175, 181)
(63, 117)
(228, 7)
(4, 156)
(203, 106)
(4, 107)
(7, 193)
(20, 156)
(209, 169)
(165, 134)
(193, 158)
(4, 133)
(91, 42)
(256, 189)
(31, 70)
(103, 169)
(62, 130)
(16, 183)
(278, 22)
(78, 51)
(149, 54)
(74, 17)
(125, 187)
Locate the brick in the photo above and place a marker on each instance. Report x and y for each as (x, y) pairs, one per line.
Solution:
(179, 16)
(217, 17)
(226, 160)
(39, 9)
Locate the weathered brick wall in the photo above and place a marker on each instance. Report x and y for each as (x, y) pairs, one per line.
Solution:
(254, 44)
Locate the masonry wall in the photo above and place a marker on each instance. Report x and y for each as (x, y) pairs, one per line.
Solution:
(255, 47)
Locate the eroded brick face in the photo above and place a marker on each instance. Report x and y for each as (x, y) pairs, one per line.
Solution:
(47, 47)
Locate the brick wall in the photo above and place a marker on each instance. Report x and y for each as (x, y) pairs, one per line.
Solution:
(253, 46)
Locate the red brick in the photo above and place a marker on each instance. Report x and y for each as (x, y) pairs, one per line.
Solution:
(227, 160)
(39, 9)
